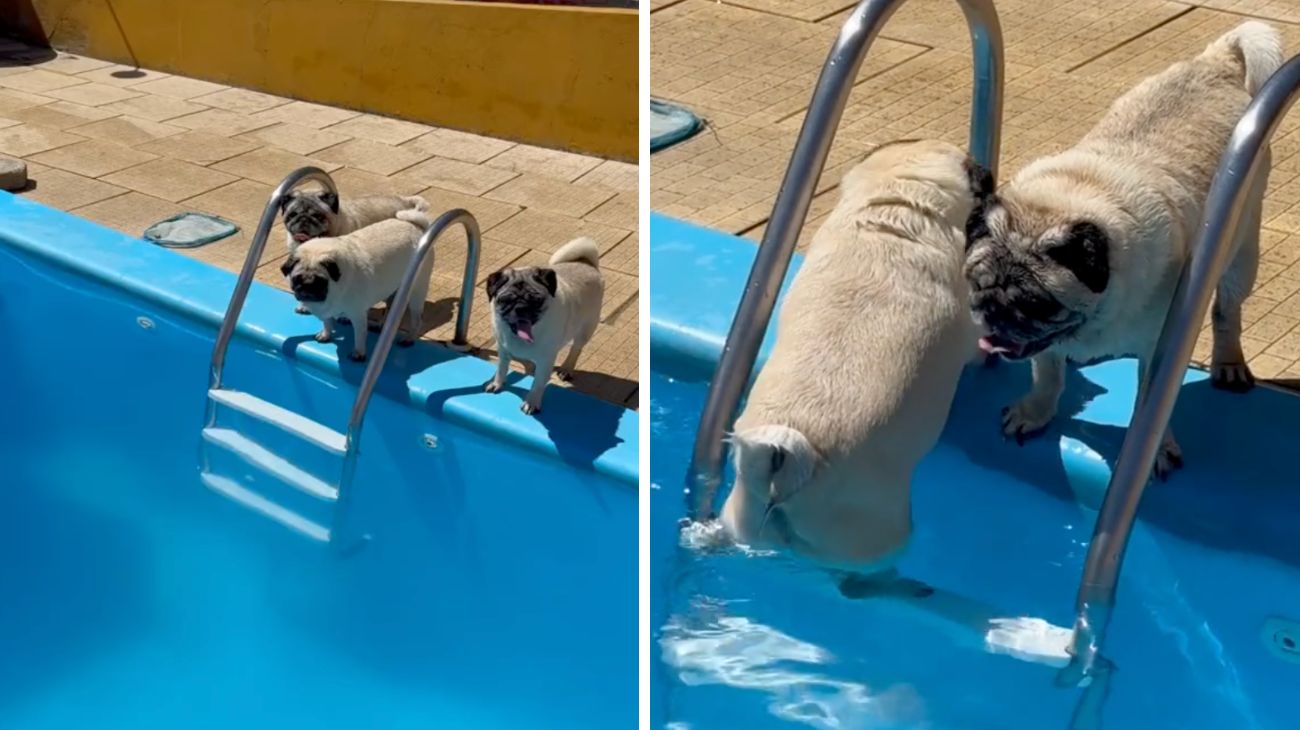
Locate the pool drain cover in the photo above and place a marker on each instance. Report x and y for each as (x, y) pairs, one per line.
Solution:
(1282, 638)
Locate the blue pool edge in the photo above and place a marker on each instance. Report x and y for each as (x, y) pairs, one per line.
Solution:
(201, 291)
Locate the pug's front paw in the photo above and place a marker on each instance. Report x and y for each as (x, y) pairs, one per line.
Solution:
(529, 409)
(1234, 377)
(493, 386)
(357, 356)
(323, 337)
(302, 309)
(1026, 418)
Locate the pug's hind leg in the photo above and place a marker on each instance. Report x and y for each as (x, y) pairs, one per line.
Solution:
(358, 353)
(1028, 416)
(1228, 368)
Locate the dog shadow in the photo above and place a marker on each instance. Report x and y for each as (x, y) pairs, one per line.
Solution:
(1230, 461)
(581, 434)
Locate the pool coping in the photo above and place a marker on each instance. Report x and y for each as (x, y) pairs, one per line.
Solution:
(200, 292)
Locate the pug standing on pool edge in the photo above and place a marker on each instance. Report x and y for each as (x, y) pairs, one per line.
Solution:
(313, 214)
(537, 311)
(1077, 257)
(347, 275)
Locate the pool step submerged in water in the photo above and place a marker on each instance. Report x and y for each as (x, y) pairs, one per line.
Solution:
(295, 423)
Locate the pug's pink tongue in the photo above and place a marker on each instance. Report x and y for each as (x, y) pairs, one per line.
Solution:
(524, 332)
(301, 237)
(990, 348)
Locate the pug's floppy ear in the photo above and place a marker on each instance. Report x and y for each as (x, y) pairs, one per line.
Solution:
(330, 200)
(285, 200)
(289, 263)
(546, 277)
(1085, 251)
(332, 268)
(494, 283)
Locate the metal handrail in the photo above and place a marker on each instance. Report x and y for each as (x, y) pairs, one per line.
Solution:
(748, 327)
(392, 322)
(251, 261)
(1200, 276)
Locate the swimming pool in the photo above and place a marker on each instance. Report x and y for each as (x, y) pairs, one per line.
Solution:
(754, 642)
(494, 592)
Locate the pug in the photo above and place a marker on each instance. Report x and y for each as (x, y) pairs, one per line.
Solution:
(537, 311)
(309, 214)
(870, 343)
(346, 275)
(1076, 259)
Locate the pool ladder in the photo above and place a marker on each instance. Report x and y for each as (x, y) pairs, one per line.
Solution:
(346, 445)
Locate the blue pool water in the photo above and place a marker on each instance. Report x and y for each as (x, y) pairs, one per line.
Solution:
(495, 591)
(755, 642)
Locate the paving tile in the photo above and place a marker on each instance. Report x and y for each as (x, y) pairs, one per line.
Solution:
(546, 232)
(493, 256)
(621, 176)
(381, 129)
(359, 182)
(241, 101)
(179, 87)
(461, 177)
(23, 140)
(619, 211)
(220, 121)
(93, 94)
(129, 131)
(39, 81)
(376, 157)
(171, 180)
(59, 115)
(624, 257)
(549, 194)
(68, 63)
(296, 138)
(809, 10)
(66, 190)
(544, 162)
(129, 213)
(306, 114)
(241, 201)
(462, 146)
(488, 213)
(199, 147)
(121, 75)
(12, 100)
(269, 165)
(93, 158)
(153, 108)
(6, 122)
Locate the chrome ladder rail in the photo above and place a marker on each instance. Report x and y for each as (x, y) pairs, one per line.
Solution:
(348, 444)
(1224, 203)
(754, 312)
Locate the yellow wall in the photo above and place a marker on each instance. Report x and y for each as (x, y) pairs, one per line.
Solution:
(553, 76)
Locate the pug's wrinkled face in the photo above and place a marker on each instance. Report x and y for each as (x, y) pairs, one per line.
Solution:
(1036, 276)
(307, 214)
(520, 297)
(310, 275)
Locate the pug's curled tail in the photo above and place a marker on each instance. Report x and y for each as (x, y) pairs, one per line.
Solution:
(774, 458)
(582, 250)
(417, 203)
(1256, 46)
(416, 217)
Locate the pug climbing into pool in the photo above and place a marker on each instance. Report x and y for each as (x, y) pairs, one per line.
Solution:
(345, 275)
(536, 311)
(870, 343)
(309, 214)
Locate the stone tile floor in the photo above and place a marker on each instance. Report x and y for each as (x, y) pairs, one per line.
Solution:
(748, 68)
(128, 147)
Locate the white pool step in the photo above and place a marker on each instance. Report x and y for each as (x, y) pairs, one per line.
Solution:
(259, 456)
(295, 423)
(294, 521)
